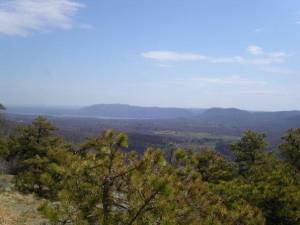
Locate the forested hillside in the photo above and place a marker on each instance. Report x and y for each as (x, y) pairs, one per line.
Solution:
(97, 182)
(163, 127)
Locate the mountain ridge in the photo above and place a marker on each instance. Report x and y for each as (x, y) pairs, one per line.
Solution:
(126, 111)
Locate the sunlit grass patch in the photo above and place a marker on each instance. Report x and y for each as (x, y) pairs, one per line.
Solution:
(16, 208)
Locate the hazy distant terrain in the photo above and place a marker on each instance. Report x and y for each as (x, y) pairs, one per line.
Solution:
(163, 127)
(120, 111)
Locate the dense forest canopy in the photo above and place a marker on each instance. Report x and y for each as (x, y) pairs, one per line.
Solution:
(96, 182)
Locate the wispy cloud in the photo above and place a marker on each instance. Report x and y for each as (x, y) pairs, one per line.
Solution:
(165, 65)
(260, 57)
(282, 71)
(234, 80)
(255, 50)
(23, 17)
(172, 56)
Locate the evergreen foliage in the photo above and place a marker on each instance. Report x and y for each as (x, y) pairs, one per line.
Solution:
(2, 107)
(290, 148)
(101, 183)
(37, 154)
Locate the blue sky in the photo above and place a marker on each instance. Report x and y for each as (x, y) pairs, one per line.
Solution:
(191, 53)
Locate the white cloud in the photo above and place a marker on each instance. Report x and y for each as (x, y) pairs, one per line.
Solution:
(282, 71)
(234, 80)
(255, 50)
(233, 59)
(172, 56)
(261, 58)
(164, 65)
(22, 17)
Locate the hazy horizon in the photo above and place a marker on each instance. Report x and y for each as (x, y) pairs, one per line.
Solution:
(44, 106)
(186, 54)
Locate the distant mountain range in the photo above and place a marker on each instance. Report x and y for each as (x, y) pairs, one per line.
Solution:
(150, 122)
(113, 111)
(121, 111)
(137, 112)
(237, 117)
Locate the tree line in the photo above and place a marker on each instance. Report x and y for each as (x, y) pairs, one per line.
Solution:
(97, 182)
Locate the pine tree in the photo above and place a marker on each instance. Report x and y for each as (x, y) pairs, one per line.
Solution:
(290, 148)
(249, 150)
(37, 154)
(2, 107)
